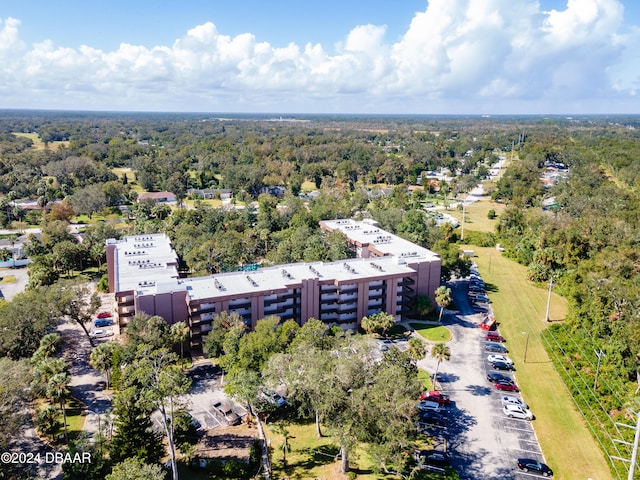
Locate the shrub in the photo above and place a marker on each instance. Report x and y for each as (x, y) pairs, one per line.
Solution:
(491, 214)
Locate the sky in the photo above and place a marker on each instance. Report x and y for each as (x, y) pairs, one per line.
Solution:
(330, 56)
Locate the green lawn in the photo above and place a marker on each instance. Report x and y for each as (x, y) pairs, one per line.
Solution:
(520, 309)
(475, 215)
(311, 457)
(431, 332)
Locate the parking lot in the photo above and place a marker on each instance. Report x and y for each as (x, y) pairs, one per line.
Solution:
(205, 392)
(482, 441)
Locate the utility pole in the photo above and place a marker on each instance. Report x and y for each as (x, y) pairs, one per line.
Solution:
(549, 298)
(464, 207)
(599, 354)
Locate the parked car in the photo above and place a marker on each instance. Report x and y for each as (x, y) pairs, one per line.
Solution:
(436, 396)
(530, 465)
(516, 411)
(497, 365)
(273, 398)
(103, 322)
(494, 337)
(499, 358)
(507, 386)
(511, 400)
(476, 288)
(104, 315)
(100, 333)
(481, 298)
(496, 377)
(429, 405)
(488, 323)
(225, 413)
(431, 417)
(495, 347)
(434, 458)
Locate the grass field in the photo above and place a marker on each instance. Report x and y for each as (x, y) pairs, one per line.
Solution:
(39, 144)
(475, 215)
(432, 333)
(520, 309)
(311, 457)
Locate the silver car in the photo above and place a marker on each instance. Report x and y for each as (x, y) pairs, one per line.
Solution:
(511, 400)
(515, 411)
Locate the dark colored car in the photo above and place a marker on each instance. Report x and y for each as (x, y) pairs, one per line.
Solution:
(530, 465)
(496, 377)
(495, 347)
(434, 458)
(225, 414)
(103, 322)
(498, 365)
(431, 417)
(494, 337)
(507, 386)
(104, 315)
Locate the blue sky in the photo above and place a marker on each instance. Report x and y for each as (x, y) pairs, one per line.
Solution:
(353, 56)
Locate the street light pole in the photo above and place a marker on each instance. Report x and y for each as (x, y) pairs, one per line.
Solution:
(599, 354)
(549, 298)
(526, 346)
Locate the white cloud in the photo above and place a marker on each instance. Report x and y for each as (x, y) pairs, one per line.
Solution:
(456, 56)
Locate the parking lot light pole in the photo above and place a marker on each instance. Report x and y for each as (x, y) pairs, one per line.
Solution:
(526, 346)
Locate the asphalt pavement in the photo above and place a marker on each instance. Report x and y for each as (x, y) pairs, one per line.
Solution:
(482, 442)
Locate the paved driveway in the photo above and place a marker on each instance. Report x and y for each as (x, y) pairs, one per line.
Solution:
(482, 442)
(11, 289)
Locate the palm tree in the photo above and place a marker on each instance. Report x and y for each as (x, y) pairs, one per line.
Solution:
(179, 333)
(285, 446)
(58, 391)
(443, 299)
(416, 349)
(423, 305)
(440, 352)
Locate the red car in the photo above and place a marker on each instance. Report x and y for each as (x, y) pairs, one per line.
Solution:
(494, 337)
(488, 323)
(104, 315)
(435, 396)
(506, 385)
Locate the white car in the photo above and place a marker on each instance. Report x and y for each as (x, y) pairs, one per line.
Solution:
(499, 358)
(425, 405)
(515, 411)
(100, 333)
(511, 400)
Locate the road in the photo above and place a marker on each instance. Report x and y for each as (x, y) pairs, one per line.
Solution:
(482, 441)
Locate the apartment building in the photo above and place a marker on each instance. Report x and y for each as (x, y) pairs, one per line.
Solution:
(388, 273)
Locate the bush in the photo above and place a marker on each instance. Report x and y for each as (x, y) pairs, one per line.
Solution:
(491, 214)
(351, 475)
(103, 284)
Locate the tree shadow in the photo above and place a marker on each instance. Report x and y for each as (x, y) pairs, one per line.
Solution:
(478, 390)
(447, 377)
(315, 457)
(470, 465)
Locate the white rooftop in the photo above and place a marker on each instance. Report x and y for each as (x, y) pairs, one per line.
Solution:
(145, 263)
(291, 275)
(367, 232)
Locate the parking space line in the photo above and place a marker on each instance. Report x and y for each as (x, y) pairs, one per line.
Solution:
(511, 426)
(527, 474)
